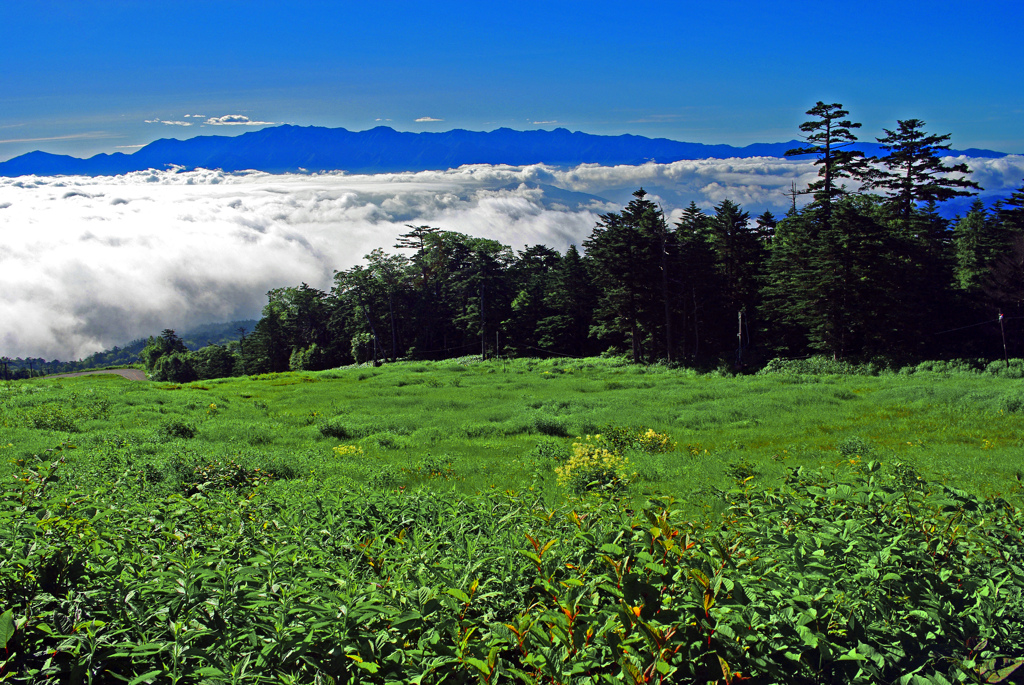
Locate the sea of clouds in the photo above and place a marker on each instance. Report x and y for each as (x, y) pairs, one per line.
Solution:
(88, 263)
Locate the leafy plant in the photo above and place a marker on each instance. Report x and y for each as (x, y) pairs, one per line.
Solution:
(178, 428)
(595, 464)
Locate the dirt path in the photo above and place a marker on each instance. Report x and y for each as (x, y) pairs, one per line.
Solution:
(130, 374)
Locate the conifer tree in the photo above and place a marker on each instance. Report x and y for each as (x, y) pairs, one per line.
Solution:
(738, 253)
(978, 241)
(1011, 213)
(827, 285)
(827, 136)
(626, 250)
(765, 229)
(913, 172)
(530, 277)
(696, 282)
(571, 298)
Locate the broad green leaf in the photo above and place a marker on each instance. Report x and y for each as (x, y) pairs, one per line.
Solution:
(211, 671)
(6, 627)
(458, 594)
(147, 677)
(479, 665)
(807, 635)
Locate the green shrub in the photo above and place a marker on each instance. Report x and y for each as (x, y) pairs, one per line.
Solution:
(260, 433)
(1015, 369)
(178, 428)
(820, 366)
(335, 428)
(550, 425)
(854, 447)
(1012, 402)
(342, 428)
(174, 368)
(220, 475)
(384, 476)
(385, 440)
(52, 417)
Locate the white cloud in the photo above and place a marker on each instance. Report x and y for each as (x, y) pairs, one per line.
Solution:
(422, 119)
(540, 123)
(169, 123)
(235, 120)
(196, 116)
(87, 263)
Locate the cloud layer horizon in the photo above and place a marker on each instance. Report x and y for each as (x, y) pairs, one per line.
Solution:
(91, 262)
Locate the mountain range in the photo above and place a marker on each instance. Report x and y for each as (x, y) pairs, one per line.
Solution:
(291, 149)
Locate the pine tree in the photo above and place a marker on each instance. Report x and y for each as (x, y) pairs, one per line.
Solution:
(697, 284)
(765, 229)
(827, 284)
(827, 136)
(571, 298)
(978, 240)
(738, 254)
(913, 172)
(626, 251)
(530, 279)
(1011, 213)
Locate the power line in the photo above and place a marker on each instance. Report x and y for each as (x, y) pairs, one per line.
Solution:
(973, 325)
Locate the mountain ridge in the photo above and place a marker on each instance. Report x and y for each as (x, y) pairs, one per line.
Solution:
(289, 149)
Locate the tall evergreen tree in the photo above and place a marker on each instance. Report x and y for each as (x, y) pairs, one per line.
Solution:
(626, 251)
(827, 136)
(827, 285)
(389, 275)
(765, 229)
(738, 254)
(166, 344)
(1011, 213)
(739, 257)
(571, 298)
(978, 241)
(913, 172)
(531, 275)
(697, 283)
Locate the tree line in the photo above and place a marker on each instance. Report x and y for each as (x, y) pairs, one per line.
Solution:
(866, 271)
(218, 334)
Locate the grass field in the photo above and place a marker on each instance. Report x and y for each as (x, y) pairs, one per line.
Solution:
(266, 529)
(483, 421)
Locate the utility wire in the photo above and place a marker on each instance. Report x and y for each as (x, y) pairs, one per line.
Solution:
(556, 354)
(973, 325)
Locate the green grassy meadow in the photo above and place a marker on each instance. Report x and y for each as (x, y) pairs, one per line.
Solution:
(407, 522)
(485, 420)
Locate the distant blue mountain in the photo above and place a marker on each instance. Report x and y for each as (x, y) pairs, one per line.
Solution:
(282, 149)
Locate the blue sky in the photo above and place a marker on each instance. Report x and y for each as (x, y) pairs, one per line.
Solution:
(85, 76)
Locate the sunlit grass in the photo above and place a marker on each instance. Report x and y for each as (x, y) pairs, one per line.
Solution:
(483, 420)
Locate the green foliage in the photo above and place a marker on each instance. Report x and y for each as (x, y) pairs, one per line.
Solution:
(828, 578)
(854, 447)
(213, 361)
(827, 134)
(178, 428)
(174, 368)
(821, 365)
(52, 417)
(913, 171)
(755, 546)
